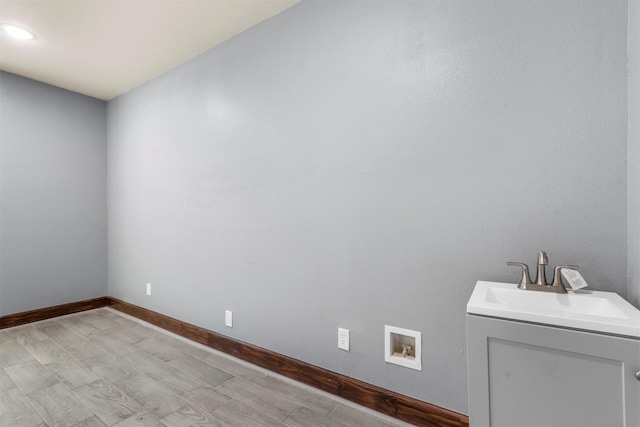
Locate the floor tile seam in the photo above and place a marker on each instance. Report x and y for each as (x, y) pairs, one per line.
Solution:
(10, 379)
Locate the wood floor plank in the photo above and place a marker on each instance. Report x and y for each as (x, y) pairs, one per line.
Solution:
(310, 399)
(206, 398)
(234, 367)
(306, 417)
(271, 403)
(58, 407)
(111, 344)
(352, 417)
(161, 349)
(6, 383)
(141, 419)
(72, 374)
(16, 410)
(189, 348)
(151, 396)
(107, 366)
(78, 326)
(13, 353)
(108, 402)
(201, 370)
(81, 349)
(117, 317)
(190, 416)
(98, 322)
(30, 377)
(60, 334)
(148, 365)
(28, 335)
(131, 335)
(47, 351)
(237, 414)
(44, 323)
(91, 422)
(180, 382)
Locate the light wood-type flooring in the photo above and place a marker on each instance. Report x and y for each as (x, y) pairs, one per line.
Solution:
(104, 368)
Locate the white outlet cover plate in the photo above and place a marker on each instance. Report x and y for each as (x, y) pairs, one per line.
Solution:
(148, 289)
(343, 339)
(228, 318)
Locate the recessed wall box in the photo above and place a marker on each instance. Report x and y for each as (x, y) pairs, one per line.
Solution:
(403, 347)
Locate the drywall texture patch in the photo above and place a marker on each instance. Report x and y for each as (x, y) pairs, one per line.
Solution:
(358, 164)
(53, 235)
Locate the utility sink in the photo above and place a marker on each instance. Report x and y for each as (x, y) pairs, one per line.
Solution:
(598, 311)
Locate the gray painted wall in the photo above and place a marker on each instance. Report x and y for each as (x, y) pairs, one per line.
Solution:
(357, 164)
(53, 236)
(633, 156)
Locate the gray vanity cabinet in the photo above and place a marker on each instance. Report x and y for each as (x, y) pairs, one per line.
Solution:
(523, 374)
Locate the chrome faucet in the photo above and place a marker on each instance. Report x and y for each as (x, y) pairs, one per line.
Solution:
(541, 277)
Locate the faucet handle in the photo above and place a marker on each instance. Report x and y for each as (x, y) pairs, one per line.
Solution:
(557, 277)
(526, 279)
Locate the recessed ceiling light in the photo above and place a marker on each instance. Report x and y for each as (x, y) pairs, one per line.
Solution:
(17, 32)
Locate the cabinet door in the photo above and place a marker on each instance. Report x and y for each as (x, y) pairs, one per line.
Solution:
(524, 374)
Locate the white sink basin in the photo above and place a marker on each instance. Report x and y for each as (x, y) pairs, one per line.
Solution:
(597, 311)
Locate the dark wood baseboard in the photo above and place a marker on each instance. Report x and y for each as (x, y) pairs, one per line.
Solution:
(387, 402)
(25, 317)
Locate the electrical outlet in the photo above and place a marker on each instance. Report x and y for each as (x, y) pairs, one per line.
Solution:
(343, 339)
(148, 289)
(228, 318)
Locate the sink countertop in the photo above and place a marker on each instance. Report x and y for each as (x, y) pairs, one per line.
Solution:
(603, 312)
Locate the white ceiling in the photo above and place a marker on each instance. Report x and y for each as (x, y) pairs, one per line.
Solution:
(103, 48)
